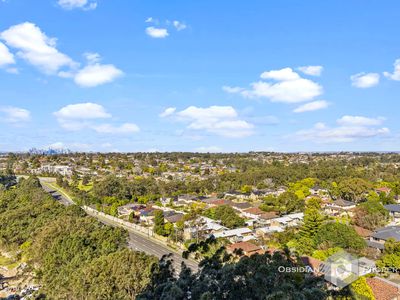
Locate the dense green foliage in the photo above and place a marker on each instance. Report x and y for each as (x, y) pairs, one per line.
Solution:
(226, 214)
(221, 277)
(73, 255)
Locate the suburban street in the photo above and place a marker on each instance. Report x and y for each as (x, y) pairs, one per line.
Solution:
(136, 241)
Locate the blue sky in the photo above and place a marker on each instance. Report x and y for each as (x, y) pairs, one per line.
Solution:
(287, 75)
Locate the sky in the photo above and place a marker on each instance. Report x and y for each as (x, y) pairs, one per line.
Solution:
(204, 76)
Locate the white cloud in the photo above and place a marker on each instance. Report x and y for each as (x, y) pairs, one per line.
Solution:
(232, 89)
(157, 33)
(360, 121)
(36, 48)
(84, 116)
(285, 86)
(208, 149)
(311, 70)
(167, 112)
(82, 4)
(396, 73)
(82, 111)
(96, 74)
(92, 57)
(149, 20)
(125, 128)
(13, 114)
(350, 129)
(365, 80)
(280, 75)
(6, 57)
(312, 106)
(219, 120)
(179, 25)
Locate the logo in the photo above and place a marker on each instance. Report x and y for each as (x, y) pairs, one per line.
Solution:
(342, 268)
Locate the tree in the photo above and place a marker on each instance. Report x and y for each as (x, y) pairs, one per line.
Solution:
(371, 214)
(353, 189)
(312, 223)
(361, 290)
(159, 223)
(289, 202)
(339, 235)
(119, 275)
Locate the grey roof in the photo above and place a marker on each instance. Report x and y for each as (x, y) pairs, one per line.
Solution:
(393, 207)
(376, 245)
(343, 203)
(241, 205)
(387, 233)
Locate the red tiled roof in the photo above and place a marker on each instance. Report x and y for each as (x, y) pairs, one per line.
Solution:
(312, 262)
(254, 211)
(363, 232)
(247, 247)
(383, 290)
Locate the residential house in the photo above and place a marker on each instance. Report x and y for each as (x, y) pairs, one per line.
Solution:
(339, 207)
(394, 211)
(235, 235)
(384, 289)
(380, 236)
(246, 248)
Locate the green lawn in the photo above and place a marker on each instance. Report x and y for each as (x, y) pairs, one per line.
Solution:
(85, 188)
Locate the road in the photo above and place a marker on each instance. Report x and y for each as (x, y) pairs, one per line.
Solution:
(137, 241)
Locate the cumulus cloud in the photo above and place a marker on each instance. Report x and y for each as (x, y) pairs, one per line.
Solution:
(283, 85)
(360, 121)
(86, 116)
(6, 57)
(396, 73)
(96, 74)
(13, 114)
(82, 111)
(179, 25)
(311, 70)
(312, 106)
(36, 48)
(158, 33)
(167, 112)
(219, 120)
(284, 74)
(349, 129)
(365, 80)
(232, 89)
(81, 4)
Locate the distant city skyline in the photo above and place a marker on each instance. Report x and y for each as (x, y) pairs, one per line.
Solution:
(209, 76)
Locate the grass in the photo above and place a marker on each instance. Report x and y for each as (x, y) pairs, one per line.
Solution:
(86, 187)
(9, 263)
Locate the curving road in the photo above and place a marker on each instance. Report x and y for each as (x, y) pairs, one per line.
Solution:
(137, 241)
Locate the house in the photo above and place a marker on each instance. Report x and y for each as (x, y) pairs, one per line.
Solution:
(246, 248)
(380, 236)
(240, 206)
(234, 235)
(129, 208)
(384, 289)
(252, 212)
(288, 220)
(204, 226)
(383, 190)
(172, 216)
(317, 190)
(314, 265)
(266, 231)
(394, 211)
(339, 207)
